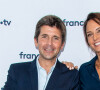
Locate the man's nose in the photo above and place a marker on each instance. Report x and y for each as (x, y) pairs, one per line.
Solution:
(50, 41)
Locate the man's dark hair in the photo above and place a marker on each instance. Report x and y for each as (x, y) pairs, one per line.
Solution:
(51, 20)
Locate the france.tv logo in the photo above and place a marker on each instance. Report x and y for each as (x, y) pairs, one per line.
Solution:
(5, 22)
(27, 56)
(73, 23)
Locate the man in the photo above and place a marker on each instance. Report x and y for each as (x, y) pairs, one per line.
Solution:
(45, 72)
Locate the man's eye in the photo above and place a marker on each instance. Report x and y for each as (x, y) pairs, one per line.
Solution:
(44, 36)
(56, 38)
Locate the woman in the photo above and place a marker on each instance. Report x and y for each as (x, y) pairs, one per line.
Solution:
(90, 71)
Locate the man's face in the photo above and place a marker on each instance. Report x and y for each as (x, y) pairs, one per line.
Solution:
(49, 42)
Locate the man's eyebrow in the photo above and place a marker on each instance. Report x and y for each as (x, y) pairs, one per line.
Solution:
(56, 36)
(43, 34)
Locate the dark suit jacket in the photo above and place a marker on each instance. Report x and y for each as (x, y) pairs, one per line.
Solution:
(89, 79)
(24, 76)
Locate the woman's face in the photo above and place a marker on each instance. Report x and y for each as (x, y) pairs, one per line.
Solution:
(93, 35)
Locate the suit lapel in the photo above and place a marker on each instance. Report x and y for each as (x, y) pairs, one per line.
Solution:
(54, 77)
(33, 75)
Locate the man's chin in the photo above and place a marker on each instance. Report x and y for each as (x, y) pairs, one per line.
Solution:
(50, 58)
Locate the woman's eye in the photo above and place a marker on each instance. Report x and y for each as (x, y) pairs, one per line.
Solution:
(98, 31)
(88, 35)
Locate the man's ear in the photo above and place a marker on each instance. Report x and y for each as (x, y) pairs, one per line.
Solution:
(62, 47)
(36, 42)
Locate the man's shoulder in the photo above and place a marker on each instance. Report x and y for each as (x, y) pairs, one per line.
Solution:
(66, 70)
(21, 66)
(68, 75)
(17, 70)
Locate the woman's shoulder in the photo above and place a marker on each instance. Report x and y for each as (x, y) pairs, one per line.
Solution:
(86, 64)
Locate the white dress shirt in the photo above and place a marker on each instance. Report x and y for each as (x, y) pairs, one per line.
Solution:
(43, 77)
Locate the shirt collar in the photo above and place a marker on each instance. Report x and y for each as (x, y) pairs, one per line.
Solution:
(92, 62)
(39, 67)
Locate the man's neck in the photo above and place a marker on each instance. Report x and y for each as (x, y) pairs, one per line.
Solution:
(47, 64)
